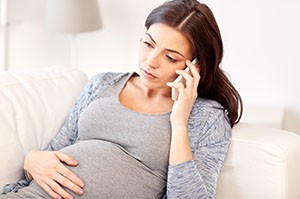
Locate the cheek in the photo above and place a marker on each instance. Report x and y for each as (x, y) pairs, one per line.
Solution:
(172, 74)
(169, 75)
(142, 55)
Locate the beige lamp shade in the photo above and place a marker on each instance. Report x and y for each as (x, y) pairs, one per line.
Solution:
(72, 16)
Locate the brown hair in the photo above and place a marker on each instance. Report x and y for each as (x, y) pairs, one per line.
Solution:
(196, 21)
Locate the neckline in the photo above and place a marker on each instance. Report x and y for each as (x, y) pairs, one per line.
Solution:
(122, 86)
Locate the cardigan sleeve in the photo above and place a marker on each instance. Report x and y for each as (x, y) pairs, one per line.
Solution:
(209, 142)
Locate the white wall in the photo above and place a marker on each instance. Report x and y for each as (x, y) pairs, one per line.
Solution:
(262, 46)
(261, 42)
(114, 47)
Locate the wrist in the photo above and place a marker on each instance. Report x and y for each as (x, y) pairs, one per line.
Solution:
(180, 150)
(26, 164)
(28, 176)
(179, 127)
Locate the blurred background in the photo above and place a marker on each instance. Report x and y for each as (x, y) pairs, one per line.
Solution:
(261, 45)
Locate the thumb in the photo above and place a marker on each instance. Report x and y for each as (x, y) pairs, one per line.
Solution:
(66, 159)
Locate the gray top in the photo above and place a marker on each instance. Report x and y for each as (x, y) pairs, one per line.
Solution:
(209, 134)
(127, 150)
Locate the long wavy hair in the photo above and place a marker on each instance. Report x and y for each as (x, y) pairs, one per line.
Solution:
(197, 22)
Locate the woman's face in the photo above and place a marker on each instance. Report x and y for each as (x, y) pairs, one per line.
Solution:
(163, 50)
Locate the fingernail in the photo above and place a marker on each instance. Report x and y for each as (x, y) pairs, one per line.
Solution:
(80, 191)
(74, 161)
(81, 184)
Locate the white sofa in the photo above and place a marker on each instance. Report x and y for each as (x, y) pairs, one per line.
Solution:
(262, 163)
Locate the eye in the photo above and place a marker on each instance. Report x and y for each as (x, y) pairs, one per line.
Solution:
(147, 44)
(171, 59)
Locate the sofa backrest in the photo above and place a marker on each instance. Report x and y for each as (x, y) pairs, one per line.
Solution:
(33, 106)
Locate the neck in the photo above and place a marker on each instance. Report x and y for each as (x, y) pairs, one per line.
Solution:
(148, 92)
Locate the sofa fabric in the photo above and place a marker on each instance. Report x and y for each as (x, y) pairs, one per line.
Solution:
(262, 162)
(33, 106)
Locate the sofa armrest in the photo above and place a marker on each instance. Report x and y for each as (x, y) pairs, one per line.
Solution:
(261, 163)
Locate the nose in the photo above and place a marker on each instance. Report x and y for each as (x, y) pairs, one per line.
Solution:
(153, 59)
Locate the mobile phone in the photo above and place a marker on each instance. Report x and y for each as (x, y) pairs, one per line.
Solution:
(181, 79)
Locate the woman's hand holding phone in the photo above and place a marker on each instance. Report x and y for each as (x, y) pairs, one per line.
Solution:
(184, 92)
(180, 79)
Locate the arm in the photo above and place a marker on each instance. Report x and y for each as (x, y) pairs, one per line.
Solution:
(200, 140)
(197, 178)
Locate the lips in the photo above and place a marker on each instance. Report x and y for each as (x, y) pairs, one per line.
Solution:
(148, 74)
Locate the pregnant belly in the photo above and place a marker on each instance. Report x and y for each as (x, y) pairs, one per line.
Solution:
(110, 172)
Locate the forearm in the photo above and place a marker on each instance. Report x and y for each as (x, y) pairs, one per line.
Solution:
(180, 150)
(209, 138)
(185, 181)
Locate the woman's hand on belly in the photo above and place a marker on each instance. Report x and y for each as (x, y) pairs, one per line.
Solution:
(48, 170)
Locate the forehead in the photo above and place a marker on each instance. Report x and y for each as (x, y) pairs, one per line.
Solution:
(171, 38)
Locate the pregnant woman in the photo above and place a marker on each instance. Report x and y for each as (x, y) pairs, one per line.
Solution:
(127, 138)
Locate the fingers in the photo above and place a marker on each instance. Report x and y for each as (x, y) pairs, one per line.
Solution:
(192, 77)
(66, 158)
(69, 179)
(195, 71)
(66, 177)
(66, 183)
(186, 76)
(58, 190)
(50, 191)
(66, 172)
(54, 185)
(48, 170)
(176, 88)
(194, 68)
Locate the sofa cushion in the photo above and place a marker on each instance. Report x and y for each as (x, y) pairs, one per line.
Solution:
(33, 106)
(262, 162)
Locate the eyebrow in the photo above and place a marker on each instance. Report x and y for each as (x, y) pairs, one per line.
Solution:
(166, 49)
